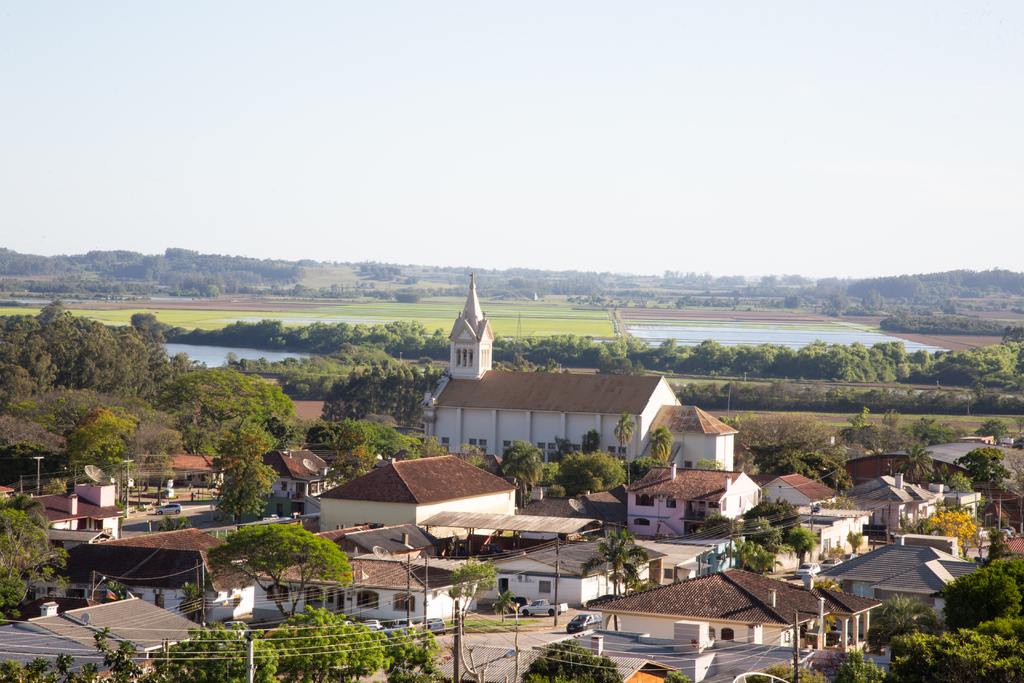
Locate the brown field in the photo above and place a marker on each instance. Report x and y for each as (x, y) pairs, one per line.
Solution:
(309, 410)
(971, 422)
(219, 304)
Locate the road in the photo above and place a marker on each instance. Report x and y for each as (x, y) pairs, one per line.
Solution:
(200, 514)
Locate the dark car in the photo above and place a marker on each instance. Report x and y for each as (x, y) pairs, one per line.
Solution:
(520, 602)
(582, 622)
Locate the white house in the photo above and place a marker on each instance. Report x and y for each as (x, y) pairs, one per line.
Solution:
(794, 488)
(410, 491)
(675, 502)
(697, 436)
(889, 498)
(475, 405)
(90, 508)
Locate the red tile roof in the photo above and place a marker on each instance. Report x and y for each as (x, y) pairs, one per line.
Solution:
(690, 420)
(182, 539)
(814, 490)
(193, 463)
(737, 595)
(394, 574)
(58, 508)
(548, 391)
(426, 480)
(293, 464)
(688, 484)
(1016, 545)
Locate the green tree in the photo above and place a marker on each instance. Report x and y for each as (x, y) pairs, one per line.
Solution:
(619, 556)
(276, 555)
(900, 616)
(505, 604)
(661, 443)
(763, 533)
(984, 464)
(522, 461)
(193, 602)
(100, 439)
(706, 464)
(470, 581)
(590, 442)
(411, 662)
(993, 426)
(570, 661)
(956, 657)
(216, 653)
(989, 593)
(637, 469)
(855, 539)
(802, 541)
(247, 480)
(317, 646)
(579, 473)
(997, 548)
(34, 508)
(762, 559)
(26, 556)
(918, 465)
(624, 430)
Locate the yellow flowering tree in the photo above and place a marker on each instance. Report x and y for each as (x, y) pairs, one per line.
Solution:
(956, 522)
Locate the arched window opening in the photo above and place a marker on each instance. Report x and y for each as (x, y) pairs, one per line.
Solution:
(642, 522)
(727, 634)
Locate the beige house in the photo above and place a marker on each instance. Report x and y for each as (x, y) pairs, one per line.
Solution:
(410, 491)
(91, 507)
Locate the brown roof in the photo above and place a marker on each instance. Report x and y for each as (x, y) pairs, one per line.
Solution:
(1016, 545)
(4, 489)
(30, 610)
(688, 484)
(426, 480)
(182, 539)
(193, 463)
(810, 488)
(690, 420)
(737, 595)
(58, 508)
(393, 574)
(293, 464)
(556, 392)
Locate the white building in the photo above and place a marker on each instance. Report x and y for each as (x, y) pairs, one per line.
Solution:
(794, 488)
(475, 405)
(90, 508)
(410, 491)
(676, 502)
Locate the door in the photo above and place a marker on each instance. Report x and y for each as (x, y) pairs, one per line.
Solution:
(502, 586)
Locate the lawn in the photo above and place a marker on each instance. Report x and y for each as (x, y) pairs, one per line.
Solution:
(538, 318)
(496, 626)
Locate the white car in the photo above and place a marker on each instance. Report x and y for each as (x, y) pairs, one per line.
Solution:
(169, 509)
(808, 569)
(373, 624)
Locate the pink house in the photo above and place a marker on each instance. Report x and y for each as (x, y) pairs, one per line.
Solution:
(675, 502)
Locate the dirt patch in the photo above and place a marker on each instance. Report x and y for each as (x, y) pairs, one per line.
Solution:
(212, 304)
(309, 410)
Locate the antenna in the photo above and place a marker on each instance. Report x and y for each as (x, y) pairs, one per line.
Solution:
(309, 464)
(577, 505)
(380, 553)
(95, 473)
(86, 617)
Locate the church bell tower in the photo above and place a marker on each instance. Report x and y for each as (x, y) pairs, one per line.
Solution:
(471, 340)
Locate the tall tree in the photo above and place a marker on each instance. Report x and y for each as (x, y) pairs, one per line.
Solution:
(470, 581)
(319, 646)
(276, 555)
(661, 443)
(624, 430)
(26, 556)
(802, 541)
(918, 465)
(522, 460)
(901, 616)
(217, 653)
(624, 559)
(246, 478)
(570, 661)
(582, 472)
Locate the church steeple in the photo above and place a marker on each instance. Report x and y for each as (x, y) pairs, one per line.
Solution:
(471, 339)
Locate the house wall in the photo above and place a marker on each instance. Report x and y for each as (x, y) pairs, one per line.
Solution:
(572, 589)
(696, 447)
(109, 525)
(743, 494)
(835, 536)
(337, 513)
(220, 606)
(663, 627)
(344, 601)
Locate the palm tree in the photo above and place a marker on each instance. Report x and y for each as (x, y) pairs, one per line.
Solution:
(623, 557)
(523, 462)
(624, 430)
(506, 603)
(34, 508)
(762, 560)
(661, 443)
(899, 616)
(743, 551)
(802, 541)
(193, 602)
(918, 464)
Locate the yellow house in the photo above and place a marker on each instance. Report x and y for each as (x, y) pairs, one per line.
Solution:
(410, 491)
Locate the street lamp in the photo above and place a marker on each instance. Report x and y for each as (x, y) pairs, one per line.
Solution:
(39, 484)
(126, 463)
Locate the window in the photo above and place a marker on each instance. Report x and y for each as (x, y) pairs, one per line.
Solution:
(669, 574)
(483, 443)
(314, 594)
(711, 632)
(472, 442)
(642, 522)
(284, 486)
(506, 444)
(541, 445)
(622, 451)
(576, 447)
(670, 502)
(402, 601)
(688, 464)
(611, 449)
(367, 600)
(444, 439)
(645, 501)
(727, 634)
(158, 599)
(544, 586)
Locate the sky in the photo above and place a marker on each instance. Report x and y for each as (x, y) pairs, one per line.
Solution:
(736, 138)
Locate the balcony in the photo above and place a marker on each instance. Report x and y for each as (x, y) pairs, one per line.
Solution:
(692, 513)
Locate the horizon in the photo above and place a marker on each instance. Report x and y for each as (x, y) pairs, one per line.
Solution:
(826, 141)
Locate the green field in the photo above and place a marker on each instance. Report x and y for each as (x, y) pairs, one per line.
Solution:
(540, 319)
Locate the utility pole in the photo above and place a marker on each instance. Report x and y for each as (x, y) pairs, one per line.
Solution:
(557, 574)
(250, 657)
(408, 592)
(796, 647)
(457, 677)
(39, 481)
(425, 590)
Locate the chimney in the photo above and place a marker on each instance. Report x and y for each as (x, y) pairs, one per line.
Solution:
(900, 540)
(537, 493)
(771, 596)
(405, 540)
(73, 504)
(48, 609)
(899, 480)
(728, 483)
(672, 471)
(597, 645)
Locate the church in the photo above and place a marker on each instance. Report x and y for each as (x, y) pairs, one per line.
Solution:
(475, 405)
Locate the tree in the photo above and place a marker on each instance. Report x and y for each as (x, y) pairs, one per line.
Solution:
(956, 522)
(638, 469)
(276, 555)
(624, 430)
(193, 602)
(993, 426)
(411, 662)
(802, 541)
(208, 401)
(590, 442)
(470, 581)
(789, 444)
(582, 472)
(26, 556)
(855, 539)
(900, 616)
(856, 668)
(989, 593)
(997, 548)
(522, 460)
(984, 464)
(764, 534)
(918, 465)
(706, 464)
(624, 559)
(956, 657)
(505, 603)
(570, 661)
(317, 646)
(217, 653)
(172, 524)
(100, 439)
(34, 508)
(762, 559)
(661, 443)
(246, 478)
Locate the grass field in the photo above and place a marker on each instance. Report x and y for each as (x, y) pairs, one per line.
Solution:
(539, 319)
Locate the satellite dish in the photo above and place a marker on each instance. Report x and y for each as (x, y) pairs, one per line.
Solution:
(577, 505)
(309, 464)
(95, 473)
(380, 552)
(86, 617)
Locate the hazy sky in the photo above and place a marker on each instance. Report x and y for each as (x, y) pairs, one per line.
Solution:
(849, 139)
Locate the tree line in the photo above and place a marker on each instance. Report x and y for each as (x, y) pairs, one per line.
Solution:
(942, 324)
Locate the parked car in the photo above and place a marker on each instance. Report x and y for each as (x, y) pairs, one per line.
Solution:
(169, 509)
(520, 602)
(437, 625)
(543, 607)
(849, 556)
(240, 626)
(373, 624)
(816, 508)
(1010, 533)
(581, 622)
(808, 569)
(830, 562)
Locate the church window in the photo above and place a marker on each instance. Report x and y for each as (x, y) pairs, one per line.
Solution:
(470, 358)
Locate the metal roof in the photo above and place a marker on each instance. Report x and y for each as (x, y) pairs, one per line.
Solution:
(482, 520)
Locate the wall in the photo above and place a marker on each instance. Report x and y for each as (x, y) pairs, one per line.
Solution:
(336, 513)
